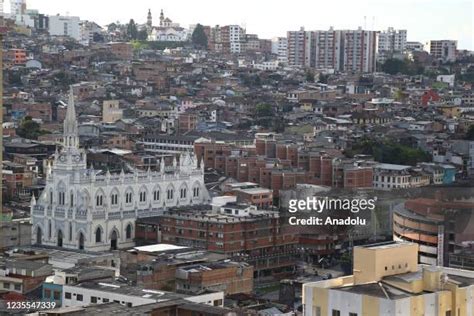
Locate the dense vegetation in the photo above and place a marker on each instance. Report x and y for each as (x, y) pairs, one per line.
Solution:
(30, 129)
(389, 152)
(395, 66)
(199, 37)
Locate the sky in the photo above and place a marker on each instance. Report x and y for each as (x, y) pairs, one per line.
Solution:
(424, 19)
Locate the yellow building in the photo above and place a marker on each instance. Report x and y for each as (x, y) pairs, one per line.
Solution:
(450, 111)
(387, 280)
(111, 111)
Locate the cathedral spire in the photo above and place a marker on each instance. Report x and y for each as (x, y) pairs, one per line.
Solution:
(162, 18)
(70, 130)
(149, 19)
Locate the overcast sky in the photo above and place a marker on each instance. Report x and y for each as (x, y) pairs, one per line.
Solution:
(424, 19)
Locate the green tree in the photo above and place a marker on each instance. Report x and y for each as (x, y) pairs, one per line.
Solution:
(264, 109)
(393, 66)
(112, 27)
(132, 31)
(142, 35)
(309, 76)
(390, 152)
(30, 129)
(470, 132)
(323, 78)
(199, 37)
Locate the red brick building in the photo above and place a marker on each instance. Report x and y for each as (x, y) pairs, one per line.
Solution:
(263, 238)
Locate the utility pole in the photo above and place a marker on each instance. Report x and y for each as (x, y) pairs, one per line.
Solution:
(2, 30)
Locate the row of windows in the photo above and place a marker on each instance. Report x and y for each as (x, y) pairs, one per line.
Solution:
(16, 286)
(99, 231)
(128, 197)
(94, 299)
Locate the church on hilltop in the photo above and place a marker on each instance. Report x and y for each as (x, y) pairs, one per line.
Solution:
(80, 208)
(166, 31)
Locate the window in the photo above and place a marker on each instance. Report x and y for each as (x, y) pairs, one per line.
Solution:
(105, 300)
(79, 297)
(352, 314)
(128, 197)
(49, 229)
(98, 235)
(143, 196)
(94, 299)
(61, 198)
(156, 195)
(448, 313)
(170, 194)
(47, 292)
(336, 312)
(114, 199)
(70, 231)
(217, 302)
(386, 268)
(71, 200)
(128, 231)
(56, 295)
(99, 200)
(317, 311)
(17, 287)
(129, 304)
(67, 295)
(183, 193)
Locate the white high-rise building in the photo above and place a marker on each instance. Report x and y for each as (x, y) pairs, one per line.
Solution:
(280, 48)
(337, 50)
(391, 42)
(65, 26)
(17, 7)
(82, 209)
(236, 38)
(443, 50)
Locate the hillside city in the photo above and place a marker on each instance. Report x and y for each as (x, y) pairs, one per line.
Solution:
(151, 168)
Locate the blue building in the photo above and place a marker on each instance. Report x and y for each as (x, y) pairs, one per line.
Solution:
(52, 293)
(449, 174)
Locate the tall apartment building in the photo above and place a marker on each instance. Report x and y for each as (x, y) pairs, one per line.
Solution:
(17, 7)
(390, 42)
(233, 39)
(65, 26)
(443, 50)
(359, 51)
(296, 47)
(387, 280)
(280, 48)
(227, 39)
(338, 50)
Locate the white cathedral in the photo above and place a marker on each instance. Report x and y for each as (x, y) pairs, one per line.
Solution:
(82, 209)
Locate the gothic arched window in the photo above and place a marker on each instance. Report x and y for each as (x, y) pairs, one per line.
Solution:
(128, 231)
(98, 234)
